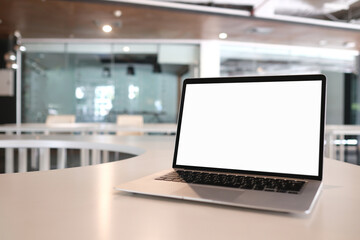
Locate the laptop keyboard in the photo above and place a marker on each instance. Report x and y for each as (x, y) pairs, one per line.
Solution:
(235, 181)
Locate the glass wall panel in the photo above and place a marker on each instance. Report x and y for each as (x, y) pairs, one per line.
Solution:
(47, 86)
(261, 59)
(97, 82)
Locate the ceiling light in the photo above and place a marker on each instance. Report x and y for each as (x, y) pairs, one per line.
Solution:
(349, 44)
(260, 70)
(126, 49)
(80, 92)
(10, 56)
(107, 28)
(223, 35)
(117, 13)
(17, 34)
(322, 42)
(22, 48)
(14, 66)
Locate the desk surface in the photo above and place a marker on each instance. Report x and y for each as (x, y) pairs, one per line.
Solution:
(81, 203)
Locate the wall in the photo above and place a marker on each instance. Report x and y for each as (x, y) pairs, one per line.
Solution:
(335, 97)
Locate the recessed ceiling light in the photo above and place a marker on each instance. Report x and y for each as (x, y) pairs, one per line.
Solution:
(349, 44)
(107, 28)
(117, 13)
(12, 56)
(126, 49)
(260, 70)
(17, 34)
(322, 42)
(22, 48)
(223, 35)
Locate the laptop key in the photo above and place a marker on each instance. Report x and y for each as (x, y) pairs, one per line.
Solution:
(269, 189)
(259, 187)
(247, 186)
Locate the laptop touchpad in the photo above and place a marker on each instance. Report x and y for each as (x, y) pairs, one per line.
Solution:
(216, 194)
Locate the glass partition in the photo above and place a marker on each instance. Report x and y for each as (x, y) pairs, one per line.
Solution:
(340, 67)
(96, 82)
(260, 59)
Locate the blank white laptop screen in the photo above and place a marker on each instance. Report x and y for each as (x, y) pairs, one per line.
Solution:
(254, 126)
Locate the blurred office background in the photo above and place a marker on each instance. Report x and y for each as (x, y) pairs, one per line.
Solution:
(97, 81)
(100, 59)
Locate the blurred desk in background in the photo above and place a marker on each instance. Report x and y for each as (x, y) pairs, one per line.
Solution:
(42, 155)
(86, 128)
(337, 138)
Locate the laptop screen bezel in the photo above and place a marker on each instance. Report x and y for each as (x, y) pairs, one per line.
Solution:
(282, 78)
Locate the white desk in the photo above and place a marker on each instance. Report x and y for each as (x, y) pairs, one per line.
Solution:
(72, 128)
(80, 203)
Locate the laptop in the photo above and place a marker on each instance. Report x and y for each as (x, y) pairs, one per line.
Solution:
(254, 142)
